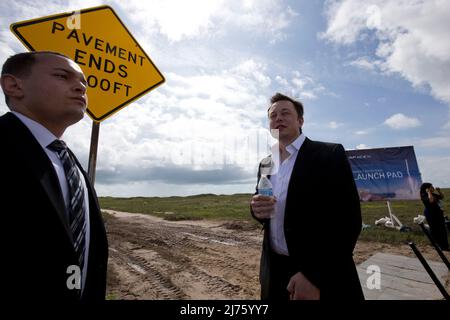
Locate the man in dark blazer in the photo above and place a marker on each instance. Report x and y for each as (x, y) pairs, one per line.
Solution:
(46, 93)
(313, 220)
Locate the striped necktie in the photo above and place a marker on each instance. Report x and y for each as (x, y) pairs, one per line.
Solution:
(77, 221)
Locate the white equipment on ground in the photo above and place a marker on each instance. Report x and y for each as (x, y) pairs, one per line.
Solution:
(421, 219)
(392, 221)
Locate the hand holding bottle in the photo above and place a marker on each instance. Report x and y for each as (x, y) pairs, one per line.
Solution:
(263, 203)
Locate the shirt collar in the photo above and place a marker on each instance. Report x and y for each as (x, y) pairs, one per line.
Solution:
(296, 144)
(41, 133)
(291, 148)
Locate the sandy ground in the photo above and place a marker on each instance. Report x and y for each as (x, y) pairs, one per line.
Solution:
(151, 258)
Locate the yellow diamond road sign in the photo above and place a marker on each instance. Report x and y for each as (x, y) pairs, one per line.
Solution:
(117, 69)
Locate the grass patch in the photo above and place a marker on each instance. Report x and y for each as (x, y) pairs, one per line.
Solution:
(236, 207)
(204, 206)
(111, 296)
(405, 212)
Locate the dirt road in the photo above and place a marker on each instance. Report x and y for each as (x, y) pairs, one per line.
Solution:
(151, 258)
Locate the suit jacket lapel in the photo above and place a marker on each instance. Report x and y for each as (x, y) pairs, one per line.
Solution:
(299, 171)
(40, 165)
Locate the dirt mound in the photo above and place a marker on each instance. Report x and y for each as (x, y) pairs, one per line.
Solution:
(239, 225)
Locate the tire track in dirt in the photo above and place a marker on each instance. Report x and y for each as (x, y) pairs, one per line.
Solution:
(156, 259)
(155, 284)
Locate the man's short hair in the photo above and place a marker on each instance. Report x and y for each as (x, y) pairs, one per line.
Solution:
(280, 97)
(20, 64)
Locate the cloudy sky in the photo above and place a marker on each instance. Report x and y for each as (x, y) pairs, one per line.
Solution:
(370, 73)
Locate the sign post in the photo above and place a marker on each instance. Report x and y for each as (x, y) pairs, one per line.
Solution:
(117, 69)
(93, 151)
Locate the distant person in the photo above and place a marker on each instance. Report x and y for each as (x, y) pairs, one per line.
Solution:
(53, 239)
(308, 237)
(431, 198)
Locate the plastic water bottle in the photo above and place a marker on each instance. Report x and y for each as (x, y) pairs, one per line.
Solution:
(265, 186)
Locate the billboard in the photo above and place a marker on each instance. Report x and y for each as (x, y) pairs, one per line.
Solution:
(385, 173)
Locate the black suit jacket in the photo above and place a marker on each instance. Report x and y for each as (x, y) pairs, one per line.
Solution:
(322, 221)
(36, 243)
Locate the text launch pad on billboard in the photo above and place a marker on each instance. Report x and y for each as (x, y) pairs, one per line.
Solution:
(386, 173)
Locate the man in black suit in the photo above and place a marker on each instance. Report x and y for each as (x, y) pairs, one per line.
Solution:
(313, 220)
(53, 239)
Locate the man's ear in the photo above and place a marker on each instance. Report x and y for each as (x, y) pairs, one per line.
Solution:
(12, 86)
(300, 122)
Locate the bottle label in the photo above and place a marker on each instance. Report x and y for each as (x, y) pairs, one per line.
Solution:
(265, 192)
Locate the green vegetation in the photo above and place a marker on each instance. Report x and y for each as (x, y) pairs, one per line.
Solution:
(204, 206)
(111, 296)
(405, 212)
(236, 207)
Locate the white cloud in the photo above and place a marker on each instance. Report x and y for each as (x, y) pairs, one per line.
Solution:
(335, 125)
(179, 19)
(435, 170)
(238, 86)
(400, 121)
(307, 95)
(446, 126)
(175, 19)
(361, 146)
(412, 37)
(361, 132)
(364, 63)
(438, 142)
(300, 86)
(282, 81)
(299, 83)
(252, 69)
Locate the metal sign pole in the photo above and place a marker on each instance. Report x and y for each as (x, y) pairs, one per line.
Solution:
(93, 151)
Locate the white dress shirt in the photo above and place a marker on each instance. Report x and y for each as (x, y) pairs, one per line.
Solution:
(45, 137)
(280, 178)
